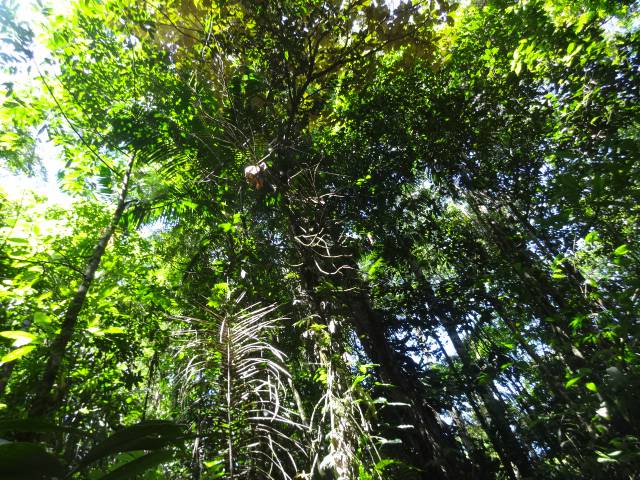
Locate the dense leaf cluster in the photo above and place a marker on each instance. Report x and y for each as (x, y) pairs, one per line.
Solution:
(322, 239)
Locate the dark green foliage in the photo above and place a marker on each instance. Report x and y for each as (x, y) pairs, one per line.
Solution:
(445, 211)
(22, 460)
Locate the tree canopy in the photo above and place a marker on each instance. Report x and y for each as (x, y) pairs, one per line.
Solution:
(320, 239)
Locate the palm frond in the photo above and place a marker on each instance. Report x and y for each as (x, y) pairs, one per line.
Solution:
(258, 419)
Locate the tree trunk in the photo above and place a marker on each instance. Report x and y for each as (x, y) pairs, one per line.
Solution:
(480, 456)
(506, 444)
(45, 401)
(512, 450)
(435, 448)
(483, 468)
(436, 444)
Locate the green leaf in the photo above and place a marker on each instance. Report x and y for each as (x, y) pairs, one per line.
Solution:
(606, 460)
(365, 367)
(16, 354)
(149, 435)
(17, 241)
(108, 293)
(226, 227)
(138, 466)
(621, 250)
(591, 237)
(518, 67)
(374, 268)
(384, 463)
(20, 338)
(188, 204)
(114, 330)
(41, 318)
(591, 386)
(358, 380)
(33, 425)
(572, 381)
(28, 461)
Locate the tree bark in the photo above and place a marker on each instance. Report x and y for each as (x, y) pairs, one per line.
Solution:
(500, 430)
(437, 444)
(45, 401)
(435, 448)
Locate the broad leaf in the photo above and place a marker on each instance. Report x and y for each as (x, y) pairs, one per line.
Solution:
(28, 461)
(138, 466)
(149, 435)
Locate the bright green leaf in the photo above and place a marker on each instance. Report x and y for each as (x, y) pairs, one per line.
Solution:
(20, 338)
(572, 381)
(16, 354)
(621, 250)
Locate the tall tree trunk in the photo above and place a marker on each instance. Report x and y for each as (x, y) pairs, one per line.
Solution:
(483, 468)
(491, 433)
(509, 448)
(434, 446)
(544, 299)
(512, 450)
(549, 378)
(438, 444)
(45, 401)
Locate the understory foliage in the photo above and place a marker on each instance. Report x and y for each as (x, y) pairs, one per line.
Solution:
(318, 239)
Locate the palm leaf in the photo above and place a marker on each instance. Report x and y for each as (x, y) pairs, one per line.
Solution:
(258, 418)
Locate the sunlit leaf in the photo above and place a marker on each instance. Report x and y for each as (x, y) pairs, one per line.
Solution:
(20, 338)
(16, 354)
(621, 250)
